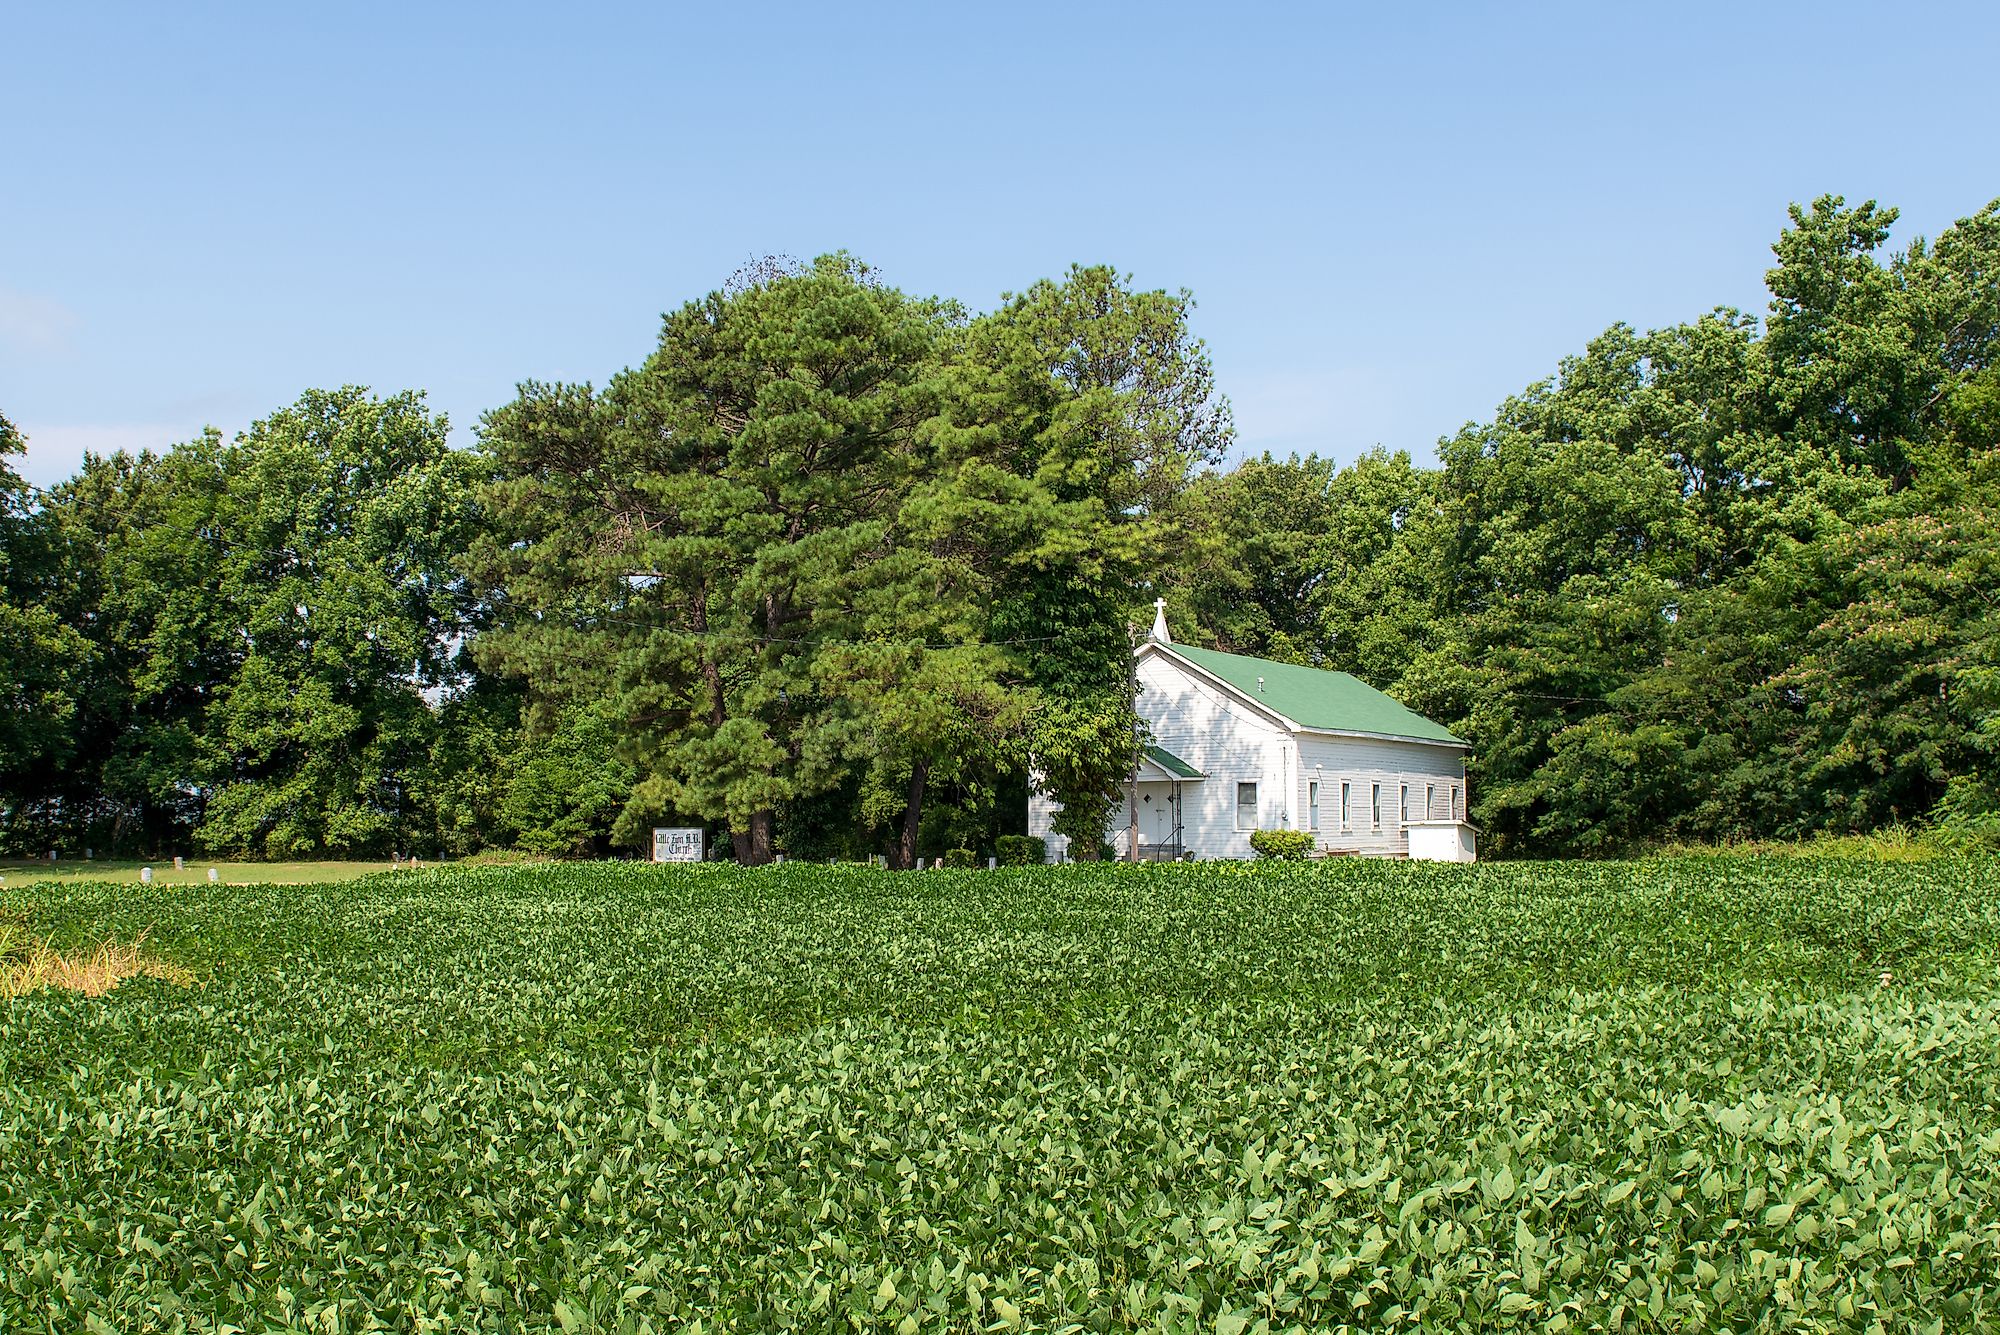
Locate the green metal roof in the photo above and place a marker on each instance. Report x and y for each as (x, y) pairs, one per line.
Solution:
(1313, 698)
(1172, 763)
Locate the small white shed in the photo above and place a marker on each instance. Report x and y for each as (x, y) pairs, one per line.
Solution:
(1443, 841)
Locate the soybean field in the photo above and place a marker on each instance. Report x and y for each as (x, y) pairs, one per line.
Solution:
(1676, 1095)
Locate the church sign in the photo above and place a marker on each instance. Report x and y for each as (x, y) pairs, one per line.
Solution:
(676, 845)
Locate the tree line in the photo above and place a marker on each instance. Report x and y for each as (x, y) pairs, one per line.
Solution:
(823, 573)
(836, 566)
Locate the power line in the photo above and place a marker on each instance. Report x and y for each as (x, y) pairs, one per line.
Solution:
(467, 603)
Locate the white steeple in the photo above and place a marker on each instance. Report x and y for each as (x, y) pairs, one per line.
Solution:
(1160, 621)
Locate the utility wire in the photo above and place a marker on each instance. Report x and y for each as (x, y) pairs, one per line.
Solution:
(465, 603)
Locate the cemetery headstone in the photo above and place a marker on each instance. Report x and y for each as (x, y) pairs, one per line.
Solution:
(146, 875)
(212, 877)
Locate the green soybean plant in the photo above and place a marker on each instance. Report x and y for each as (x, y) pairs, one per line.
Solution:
(1331, 1095)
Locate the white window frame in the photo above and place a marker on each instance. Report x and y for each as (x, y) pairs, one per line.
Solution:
(1454, 803)
(1405, 807)
(1430, 799)
(1312, 805)
(1375, 805)
(1255, 807)
(1346, 805)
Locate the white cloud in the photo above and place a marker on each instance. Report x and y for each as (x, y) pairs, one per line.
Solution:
(29, 323)
(56, 452)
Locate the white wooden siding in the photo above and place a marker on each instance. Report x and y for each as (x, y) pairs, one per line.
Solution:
(1041, 812)
(1229, 742)
(1363, 762)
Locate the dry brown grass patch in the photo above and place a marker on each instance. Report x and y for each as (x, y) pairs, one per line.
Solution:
(29, 965)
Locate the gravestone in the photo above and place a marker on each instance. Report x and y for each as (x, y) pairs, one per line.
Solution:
(146, 875)
(212, 877)
(177, 863)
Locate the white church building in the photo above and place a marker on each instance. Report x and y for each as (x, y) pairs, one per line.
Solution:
(1243, 744)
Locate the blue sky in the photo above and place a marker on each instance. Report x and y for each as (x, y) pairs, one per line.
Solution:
(1391, 216)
